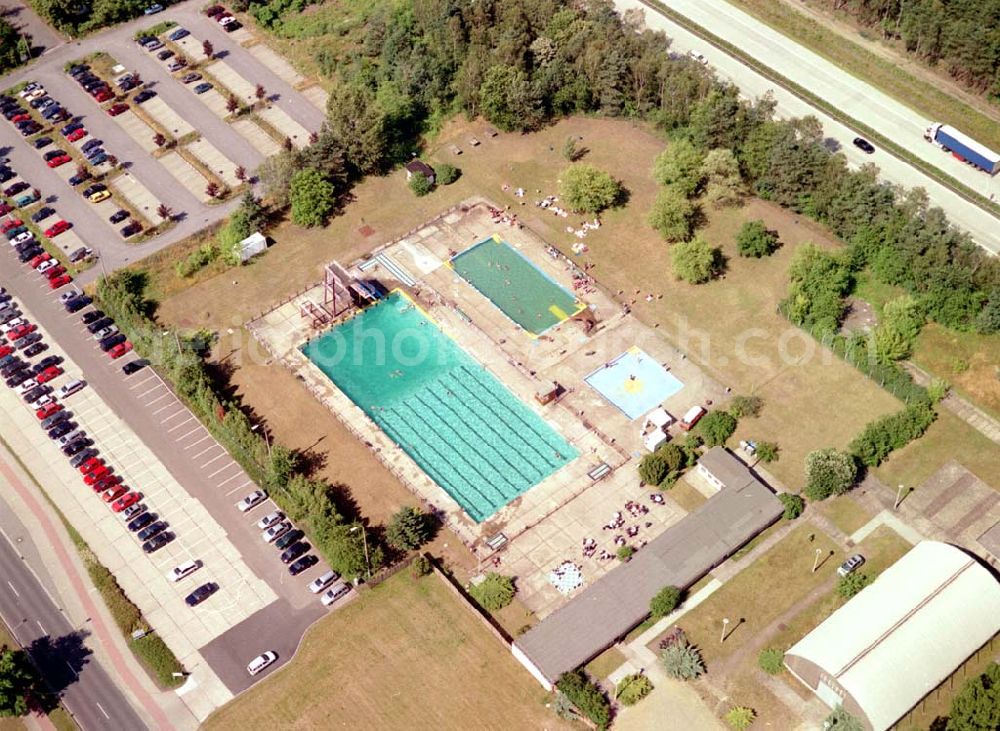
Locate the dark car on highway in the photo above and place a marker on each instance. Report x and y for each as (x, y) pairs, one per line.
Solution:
(200, 594)
(864, 145)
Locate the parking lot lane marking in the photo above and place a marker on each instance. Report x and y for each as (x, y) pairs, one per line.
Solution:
(44, 631)
(101, 709)
(242, 487)
(179, 411)
(144, 381)
(149, 390)
(162, 396)
(180, 424)
(228, 479)
(195, 444)
(209, 449)
(187, 434)
(13, 589)
(223, 469)
(218, 456)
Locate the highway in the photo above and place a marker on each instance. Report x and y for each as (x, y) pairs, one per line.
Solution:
(60, 653)
(861, 101)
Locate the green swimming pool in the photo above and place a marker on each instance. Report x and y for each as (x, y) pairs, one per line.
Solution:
(521, 290)
(464, 428)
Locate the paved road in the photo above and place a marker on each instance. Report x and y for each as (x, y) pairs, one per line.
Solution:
(860, 100)
(32, 614)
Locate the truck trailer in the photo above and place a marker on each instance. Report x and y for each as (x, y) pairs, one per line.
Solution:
(963, 147)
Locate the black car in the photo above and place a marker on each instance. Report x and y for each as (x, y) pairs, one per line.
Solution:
(149, 531)
(288, 539)
(36, 103)
(42, 213)
(29, 254)
(91, 144)
(36, 393)
(864, 145)
(16, 188)
(79, 178)
(13, 369)
(76, 446)
(111, 341)
(83, 456)
(62, 429)
(57, 418)
(118, 216)
(134, 365)
(52, 112)
(95, 188)
(143, 96)
(92, 316)
(131, 230)
(28, 340)
(100, 325)
(6, 174)
(42, 142)
(293, 552)
(51, 154)
(76, 304)
(70, 128)
(165, 54)
(35, 348)
(77, 69)
(141, 522)
(46, 362)
(302, 564)
(157, 542)
(200, 594)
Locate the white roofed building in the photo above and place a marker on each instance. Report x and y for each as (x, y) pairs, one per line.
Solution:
(893, 643)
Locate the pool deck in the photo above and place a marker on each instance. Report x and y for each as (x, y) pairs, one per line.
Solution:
(547, 524)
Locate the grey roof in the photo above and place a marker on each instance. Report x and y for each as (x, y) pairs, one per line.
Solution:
(990, 540)
(419, 166)
(729, 470)
(616, 603)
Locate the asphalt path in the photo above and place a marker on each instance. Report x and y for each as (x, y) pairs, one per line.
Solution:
(856, 98)
(58, 649)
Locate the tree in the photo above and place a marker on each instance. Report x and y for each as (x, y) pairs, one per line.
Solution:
(312, 198)
(723, 182)
(260, 92)
(794, 505)
(679, 166)
(841, 720)
(976, 707)
(682, 661)
(275, 175)
(587, 188)
(112, 161)
(898, 328)
(740, 718)
(159, 139)
(755, 240)
(232, 103)
(633, 688)
(509, 100)
(771, 660)
(446, 174)
(829, 472)
(494, 592)
(819, 280)
(672, 214)
(848, 586)
(716, 427)
(625, 553)
(408, 529)
(569, 149)
(10, 52)
(767, 452)
(695, 261)
(586, 696)
(240, 173)
(164, 211)
(15, 681)
(136, 78)
(988, 320)
(665, 601)
(420, 185)
(742, 406)
(357, 120)
(653, 469)
(212, 190)
(287, 144)
(208, 49)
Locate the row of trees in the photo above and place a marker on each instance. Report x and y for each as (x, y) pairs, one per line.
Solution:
(76, 18)
(15, 48)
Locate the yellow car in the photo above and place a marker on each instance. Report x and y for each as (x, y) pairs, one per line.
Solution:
(101, 195)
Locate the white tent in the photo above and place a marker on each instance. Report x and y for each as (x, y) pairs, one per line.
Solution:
(252, 245)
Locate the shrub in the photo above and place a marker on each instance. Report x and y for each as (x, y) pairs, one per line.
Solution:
(716, 427)
(653, 469)
(976, 707)
(665, 601)
(446, 174)
(633, 688)
(197, 259)
(880, 437)
(755, 240)
(740, 717)
(493, 593)
(625, 553)
(848, 586)
(695, 261)
(421, 566)
(829, 472)
(771, 660)
(312, 197)
(589, 189)
(841, 720)
(154, 652)
(794, 505)
(746, 406)
(937, 389)
(587, 697)
(672, 215)
(408, 529)
(679, 166)
(897, 329)
(767, 452)
(420, 185)
(682, 660)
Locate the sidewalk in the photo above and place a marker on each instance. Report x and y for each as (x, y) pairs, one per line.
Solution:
(81, 605)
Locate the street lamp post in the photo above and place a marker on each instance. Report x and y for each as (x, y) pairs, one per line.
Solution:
(899, 497)
(267, 439)
(364, 537)
(816, 560)
(725, 623)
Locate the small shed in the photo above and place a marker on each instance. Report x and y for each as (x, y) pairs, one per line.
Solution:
(546, 392)
(252, 245)
(419, 167)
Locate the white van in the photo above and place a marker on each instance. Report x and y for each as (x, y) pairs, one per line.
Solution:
(337, 592)
(320, 583)
(185, 569)
(71, 388)
(261, 661)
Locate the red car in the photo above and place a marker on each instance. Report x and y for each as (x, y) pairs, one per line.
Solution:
(9, 224)
(117, 109)
(57, 228)
(113, 493)
(21, 330)
(5, 209)
(96, 474)
(129, 498)
(57, 161)
(57, 271)
(48, 374)
(48, 410)
(44, 256)
(103, 95)
(119, 350)
(5, 350)
(60, 281)
(75, 135)
(91, 464)
(105, 482)
(22, 117)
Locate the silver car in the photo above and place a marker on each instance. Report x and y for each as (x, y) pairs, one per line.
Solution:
(275, 532)
(270, 519)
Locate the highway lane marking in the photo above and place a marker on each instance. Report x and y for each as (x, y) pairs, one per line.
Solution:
(209, 449)
(222, 470)
(194, 444)
(218, 456)
(13, 590)
(101, 709)
(44, 631)
(183, 423)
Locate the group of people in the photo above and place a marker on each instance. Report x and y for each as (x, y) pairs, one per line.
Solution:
(548, 203)
(504, 216)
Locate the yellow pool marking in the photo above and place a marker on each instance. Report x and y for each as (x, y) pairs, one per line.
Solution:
(632, 386)
(558, 312)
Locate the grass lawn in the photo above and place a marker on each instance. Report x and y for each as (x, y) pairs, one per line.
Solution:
(948, 438)
(604, 664)
(403, 655)
(845, 512)
(970, 362)
(685, 495)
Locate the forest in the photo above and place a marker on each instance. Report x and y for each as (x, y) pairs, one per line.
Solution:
(962, 37)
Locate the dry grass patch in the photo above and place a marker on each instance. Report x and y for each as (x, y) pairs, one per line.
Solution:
(685, 495)
(403, 655)
(844, 512)
(604, 664)
(969, 361)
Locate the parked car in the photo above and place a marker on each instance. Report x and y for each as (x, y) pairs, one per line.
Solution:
(83, 456)
(183, 570)
(129, 498)
(119, 350)
(302, 564)
(143, 96)
(177, 65)
(288, 539)
(321, 582)
(164, 54)
(34, 349)
(134, 366)
(76, 135)
(851, 565)
(178, 34)
(59, 160)
(42, 213)
(157, 542)
(190, 78)
(250, 501)
(131, 512)
(61, 281)
(57, 228)
(275, 531)
(335, 593)
(115, 109)
(56, 417)
(80, 177)
(202, 88)
(141, 522)
(91, 144)
(118, 216)
(90, 317)
(270, 519)
(260, 662)
(153, 9)
(200, 594)
(42, 142)
(131, 230)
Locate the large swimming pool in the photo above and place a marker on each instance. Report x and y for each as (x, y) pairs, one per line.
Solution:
(464, 428)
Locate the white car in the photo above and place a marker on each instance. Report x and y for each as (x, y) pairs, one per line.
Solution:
(42, 401)
(185, 569)
(30, 87)
(131, 511)
(275, 532)
(226, 20)
(337, 592)
(27, 386)
(105, 332)
(67, 296)
(270, 519)
(261, 661)
(21, 238)
(318, 584)
(44, 266)
(251, 501)
(698, 56)
(11, 324)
